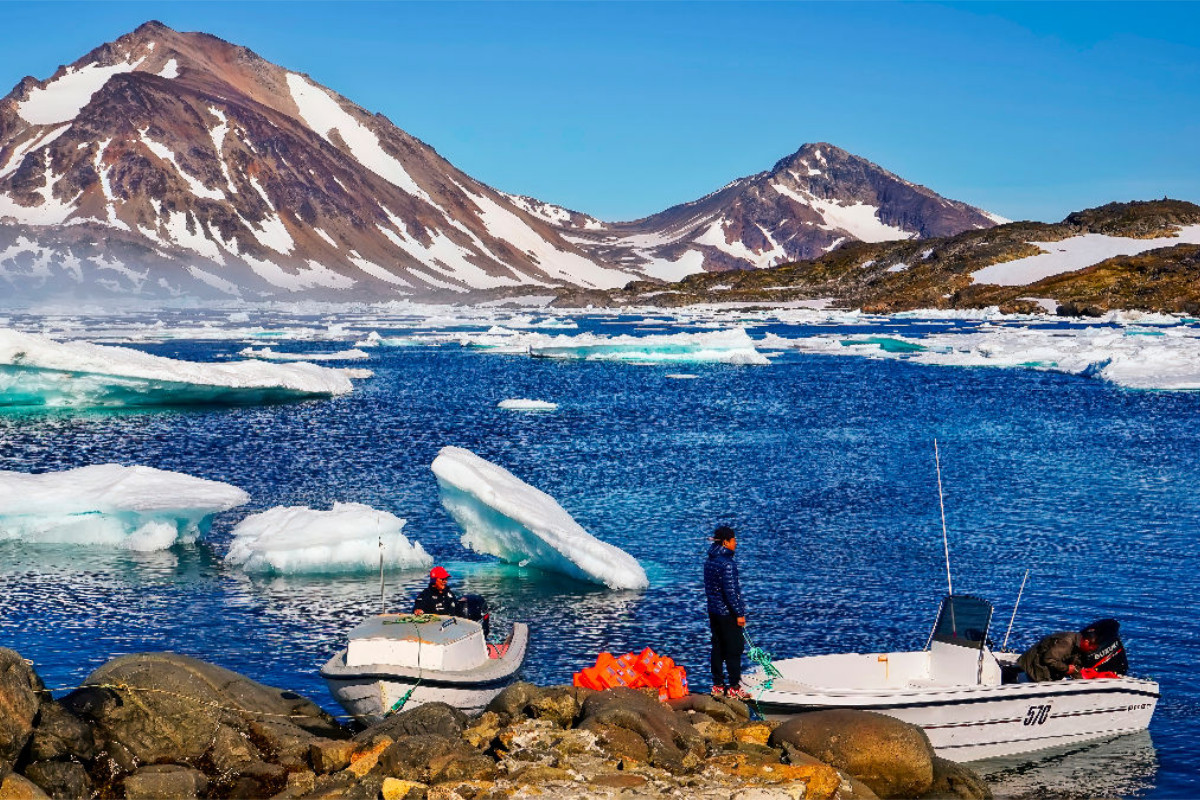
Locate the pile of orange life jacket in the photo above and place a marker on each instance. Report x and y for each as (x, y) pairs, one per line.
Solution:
(645, 669)
(1087, 673)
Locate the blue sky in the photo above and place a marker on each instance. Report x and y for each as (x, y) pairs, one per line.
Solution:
(1030, 110)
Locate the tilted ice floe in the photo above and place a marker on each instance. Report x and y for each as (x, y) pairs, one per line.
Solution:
(522, 404)
(137, 508)
(269, 354)
(1154, 358)
(503, 516)
(294, 540)
(38, 371)
(733, 346)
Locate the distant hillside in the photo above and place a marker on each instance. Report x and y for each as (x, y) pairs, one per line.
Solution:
(1013, 266)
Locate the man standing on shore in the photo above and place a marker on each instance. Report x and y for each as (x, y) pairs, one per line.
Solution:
(726, 614)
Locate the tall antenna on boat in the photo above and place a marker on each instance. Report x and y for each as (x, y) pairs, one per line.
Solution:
(382, 596)
(942, 504)
(1014, 614)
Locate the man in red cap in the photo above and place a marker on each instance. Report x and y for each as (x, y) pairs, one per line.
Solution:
(436, 598)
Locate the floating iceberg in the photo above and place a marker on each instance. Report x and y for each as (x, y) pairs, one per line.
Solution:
(1163, 358)
(503, 516)
(138, 508)
(294, 540)
(733, 346)
(521, 404)
(268, 354)
(37, 371)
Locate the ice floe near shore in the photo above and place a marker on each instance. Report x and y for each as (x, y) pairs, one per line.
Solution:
(293, 540)
(1153, 358)
(733, 346)
(269, 354)
(38, 371)
(136, 508)
(503, 516)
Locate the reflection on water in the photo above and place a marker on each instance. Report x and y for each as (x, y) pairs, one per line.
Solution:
(1120, 767)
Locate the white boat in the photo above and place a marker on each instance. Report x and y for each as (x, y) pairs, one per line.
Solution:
(398, 661)
(971, 701)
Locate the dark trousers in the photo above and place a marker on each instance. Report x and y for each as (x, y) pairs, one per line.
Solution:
(727, 646)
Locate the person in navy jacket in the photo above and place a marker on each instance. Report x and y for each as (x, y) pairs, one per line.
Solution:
(726, 614)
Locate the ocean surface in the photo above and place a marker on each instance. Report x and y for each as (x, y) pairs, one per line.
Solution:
(824, 463)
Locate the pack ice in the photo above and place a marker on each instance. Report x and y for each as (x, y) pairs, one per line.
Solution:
(138, 508)
(38, 371)
(733, 346)
(346, 539)
(503, 516)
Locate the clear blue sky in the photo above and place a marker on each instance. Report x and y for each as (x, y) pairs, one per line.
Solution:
(1030, 110)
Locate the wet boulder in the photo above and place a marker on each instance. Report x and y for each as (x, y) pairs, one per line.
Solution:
(437, 719)
(165, 782)
(672, 742)
(62, 780)
(893, 758)
(59, 734)
(427, 758)
(561, 705)
(163, 707)
(21, 695)
(952, 780)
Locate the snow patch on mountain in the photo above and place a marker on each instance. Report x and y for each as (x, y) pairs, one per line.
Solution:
(61, 100)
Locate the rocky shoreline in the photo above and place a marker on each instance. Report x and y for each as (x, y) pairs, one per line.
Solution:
(163, 725)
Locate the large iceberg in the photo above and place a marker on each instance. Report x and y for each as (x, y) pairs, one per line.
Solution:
(349, 538)
(138, 508)
(503, 516)
(733, 346)
(38, 371)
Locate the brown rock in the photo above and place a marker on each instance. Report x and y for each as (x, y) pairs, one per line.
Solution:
(951, 780)
(437, 719)
(673, 743)
(300, 783)
(16, 787)
(755, 732)
(396, 789)
(60, 734)
(620, 743)
(434, 759)
(726, 711)
(165, 782)
(331, 755)
(891, 757)
(712, 731)
(482, 731)
(619, 780)
(364, 760)
(231, 751)
(60, 779)
(21, 693)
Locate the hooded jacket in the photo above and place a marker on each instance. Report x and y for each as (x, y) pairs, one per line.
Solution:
(721, 583)
(1052, 657)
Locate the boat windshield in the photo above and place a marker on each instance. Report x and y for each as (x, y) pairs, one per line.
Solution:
(963, 620)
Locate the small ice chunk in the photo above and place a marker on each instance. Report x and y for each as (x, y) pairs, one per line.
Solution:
(138, 508)
(269, 354)
(681, 376)
(521, 404)
(294, 540)
(38, 371)
(503, 516)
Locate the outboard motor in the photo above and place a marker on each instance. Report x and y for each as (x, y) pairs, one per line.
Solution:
(475, 607)
(1109, 655)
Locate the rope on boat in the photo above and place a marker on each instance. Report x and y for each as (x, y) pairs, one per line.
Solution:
(765, 660)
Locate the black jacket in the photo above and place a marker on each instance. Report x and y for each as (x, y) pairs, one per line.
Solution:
(431, 601)
(721, 587)
(1052, 657)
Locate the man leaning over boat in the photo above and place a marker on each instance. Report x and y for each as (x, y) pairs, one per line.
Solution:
(1058, 655)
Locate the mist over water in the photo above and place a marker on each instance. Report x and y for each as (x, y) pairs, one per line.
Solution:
(823, 464)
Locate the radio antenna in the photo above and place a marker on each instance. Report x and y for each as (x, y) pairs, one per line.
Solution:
(382, 596)
(1015, 607)
(942, 504)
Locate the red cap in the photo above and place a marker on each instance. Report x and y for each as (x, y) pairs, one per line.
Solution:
(439, 572)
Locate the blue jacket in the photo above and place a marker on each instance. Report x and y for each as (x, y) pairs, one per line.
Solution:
(721, 583)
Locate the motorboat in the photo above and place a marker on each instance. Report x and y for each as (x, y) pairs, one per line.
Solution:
(972, 702)
(397, 661)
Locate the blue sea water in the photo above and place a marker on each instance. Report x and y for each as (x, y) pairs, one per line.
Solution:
(823, 464)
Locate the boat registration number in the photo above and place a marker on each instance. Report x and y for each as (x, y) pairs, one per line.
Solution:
(1037, 715)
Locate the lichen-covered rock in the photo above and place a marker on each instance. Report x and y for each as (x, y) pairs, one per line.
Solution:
(951, 780)
(561, 705)
(59, 734)
(436, 719)
(164, 707)
(62, 780)
(754, 732)
(396, 789)
(231, 751)
(891, 757)
(17, 787)
(482, 731)
(165, 782)
(21, 694)
(427, 758)
(331, 755)
(672, 742)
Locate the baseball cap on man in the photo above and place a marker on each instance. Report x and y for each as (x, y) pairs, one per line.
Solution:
(439, 573)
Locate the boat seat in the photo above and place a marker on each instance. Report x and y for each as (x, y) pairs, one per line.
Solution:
(497, 650)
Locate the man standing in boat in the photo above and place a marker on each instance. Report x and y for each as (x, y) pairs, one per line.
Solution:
(726, 614)
(436, 598)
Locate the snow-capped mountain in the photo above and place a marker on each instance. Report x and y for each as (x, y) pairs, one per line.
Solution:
(803, 207)
(170, 163)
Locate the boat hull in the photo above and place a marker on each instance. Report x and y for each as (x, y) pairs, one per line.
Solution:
(968, 723)
(371, 699)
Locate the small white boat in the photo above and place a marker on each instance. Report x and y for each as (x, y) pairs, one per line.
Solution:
(398, 661)
(970, 700)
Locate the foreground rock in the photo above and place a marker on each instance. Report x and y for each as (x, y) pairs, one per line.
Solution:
(168, 726)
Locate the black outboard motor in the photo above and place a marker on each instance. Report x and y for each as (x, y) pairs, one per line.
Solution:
(1109, 655)
(475, 607)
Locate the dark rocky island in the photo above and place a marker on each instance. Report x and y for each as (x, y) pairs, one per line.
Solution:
(163, 725)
